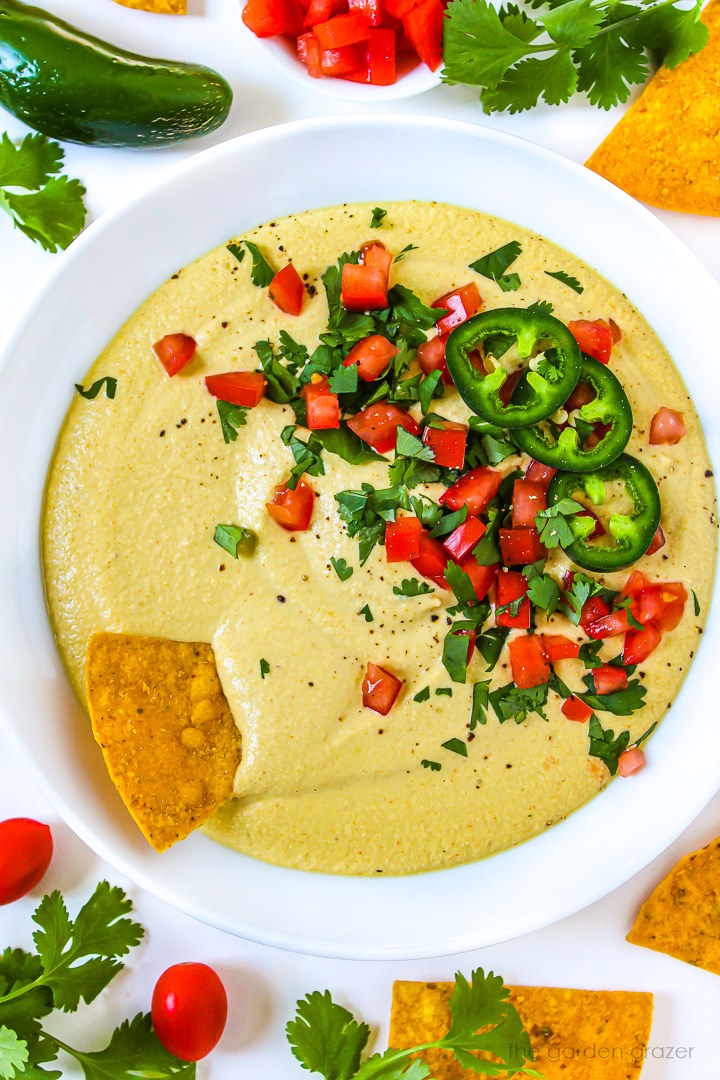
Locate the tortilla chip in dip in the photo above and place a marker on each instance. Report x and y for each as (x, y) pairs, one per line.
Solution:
(682, 916)
(593, 1034)
(665, 150)
(159, 7)
(168, 737)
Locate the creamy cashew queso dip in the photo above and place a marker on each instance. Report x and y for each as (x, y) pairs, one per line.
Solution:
(447, 774)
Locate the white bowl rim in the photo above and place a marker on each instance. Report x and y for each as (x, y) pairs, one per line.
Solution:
(695, 769)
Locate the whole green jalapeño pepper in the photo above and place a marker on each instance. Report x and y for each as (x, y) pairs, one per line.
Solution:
(548, 385)
(630, 534)
(610, 407)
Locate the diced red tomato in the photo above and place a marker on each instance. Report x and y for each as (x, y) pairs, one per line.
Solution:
(381, 55)
(475, 490)
(371, 355)
(370, 10)
(593, 610)
(380, 689)
(541, 474)
(462, 540)
(245, 388)
(432, 560)
(174, 351)
(399, 8)
(342, 30)
(576, 709)
(581, 395)
(461, 304)
(292, 508)
(663, 604)
(375, 255)
(594, 338)
(631, 761)
(639, 644)
(559, 647)
(528, 663)
(658, 541)
(667, 427)
(266, 18)
(521, 546)
(402, 539)
(635, 583)
(481, 577)
(309, 54)
(529, 499)
(424, 27)
(511, 585)
(610, 625)
(377, 425)
(364, 288)
(337, 64)
(448, 443)
(431, 357)
(322, 406)
(287, 290)
(608, 679)
(506, 390)
(320, 11)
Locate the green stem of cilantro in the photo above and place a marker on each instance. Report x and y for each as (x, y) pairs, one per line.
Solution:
(387, 1061)
(557, 47)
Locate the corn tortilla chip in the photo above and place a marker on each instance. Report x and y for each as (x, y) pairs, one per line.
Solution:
(166, 731)
(160, 7)
(666, 148)
(588, 1034)
(682, 916)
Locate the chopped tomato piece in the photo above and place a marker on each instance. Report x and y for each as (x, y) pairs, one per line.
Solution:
(462, 540)
(287, 290)
(663, 604)
(320, 11)
(510, 586)
(399, 8)
(378, 424)
(309, 54)
(461, 304)
(402, 539)
(634, 585)
(610, 625)
(174, 351)
(431, 357)
(381, 55)
(529, 499)
(432, 560)
(481, 577)
(448, 443)
(244, 388)
(339, 63)
(364, 288)
(667, 427)
(539, 473)
(658, 541)
(583, 394)
(593, 610)
(576, 709)
(631, 761)
(342, 30)
(266, 18)
(608, 679)
(559, 647)
(506, 390)
(594, 338)
(521, 546)
(380, 689)
(292, 507)
(371, 355)
(475, 490)
(322, 406)
(370, 10)
(424, 27)
(528, 663)
(639, 644)
(377, 256)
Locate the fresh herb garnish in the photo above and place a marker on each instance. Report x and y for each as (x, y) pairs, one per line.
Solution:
(107, 381)
(230, 537)
(626, 605)
(576, 596)
(412, 587)
(480, 702)
(237, 251)
(232, 417)
(427, 389)
(456, 746)
(558, 525)
(422, 695)
(377, 216)
(443, 691)
(566, 279)
(369, 617)
(490, 644)
(401, 254)
(307, 456)
(341, 568)
(344, 380)
(509, 702)
(495, 263)
(261, 273)
(433, 766)
(41, 202)
(345, 444)
(455, 653)
(696, 603)
(543, 590)
(604, 745)
(264, 667)
(282, 385)
(589, 654)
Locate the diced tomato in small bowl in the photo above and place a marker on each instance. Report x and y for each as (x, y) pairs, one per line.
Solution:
(380, 689)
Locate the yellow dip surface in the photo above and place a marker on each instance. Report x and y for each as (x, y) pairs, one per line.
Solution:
(139, 483)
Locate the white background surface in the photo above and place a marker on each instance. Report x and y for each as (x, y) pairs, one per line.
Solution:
(587, 950)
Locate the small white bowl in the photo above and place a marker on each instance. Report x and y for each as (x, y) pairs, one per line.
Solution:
(281, 52)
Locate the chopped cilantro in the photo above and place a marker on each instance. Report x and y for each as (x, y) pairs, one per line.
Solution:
(281, 384)
(443, 691)
(377, 216)
(261, 273)
(509, 702)
(401, 254)
(513, 608)
(558, 525)
(455, 653)
(369, 617)
(621, 703)
(307, 456)
(576, 596)
(409, 308)
(626, 606)
(237, 251)
(107, 381)
(696, 603)
(589, 654)
(264, 668)
(47, 207)
(412, 587)
(447, 523)
(456, 746)
(422, 695)
(604, 745)
(434, 766)
(345, 444)
(480, 702)
(460, 583)
(567, 279)
(344, 380)
(495, 263)
(230, 537)
(543, 590)
(232, 417)
(427, 389)
(409, 445)
(490, 644)
(341, 568)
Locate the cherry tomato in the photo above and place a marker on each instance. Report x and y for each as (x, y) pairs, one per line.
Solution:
(189, 1010)
(26, 849)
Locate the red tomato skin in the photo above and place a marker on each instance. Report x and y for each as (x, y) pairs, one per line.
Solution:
(380, 689)
(321, 11)
(631, 761)
(309, 54)
(402, 539)
(246, 388)
(593, 609)
(371, 355)
(528, 663)
(541, 474)
(639, 644)
(508, 587)
(667, 428)
(475, 490)
(559, 647)
(658, 541)
(431, 357)
(448, 443)
(594, 338)
(608, 679)
(381, 54)
(431, 561)
(174, 351)
(342, 30)
(370, 10)
(189, 1010)
(323, 411)
(574, 708)
(462, 540)
(26, 848)
(364, 287)
(424, 27)
(287, 290)
(529, 499)
(482, 577)
(292, 508)
(375, 255)
(377, 425)
(519, 547)
(461, 304)
(610, 625)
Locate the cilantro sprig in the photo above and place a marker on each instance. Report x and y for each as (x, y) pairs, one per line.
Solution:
(41, 201)
(486, 1034)
(599, 47)
(73, 962)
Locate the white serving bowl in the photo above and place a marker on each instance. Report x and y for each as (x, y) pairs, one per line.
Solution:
(97, 285)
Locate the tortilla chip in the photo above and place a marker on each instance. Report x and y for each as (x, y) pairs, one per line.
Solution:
(682, 916)
(166, 731)
(160, 7)
(596, 1034)
(666, 148)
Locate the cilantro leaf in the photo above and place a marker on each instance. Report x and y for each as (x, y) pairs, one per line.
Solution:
(230, 537)
(433, 766)
(376, 218)
(236, 251)
(480, 702)
(29, 165)
(428, 386)
(573, 23)
(307, 456)
(282, 385)
(605, 746)
(401, 254)
(13, 1054)
(232, 417)
(107, 381)
(261, 273)
(264, 667)
(422, 695)
(133, 1050)
(332, 280)
(344, 380)
(696, 604)
(484, 1021)
(325, 1038)
(455, 654)
(412, 587)
(456, 746)
(346, 444)
(495, 263)
(47, 207)
(409, 308)
(553, 78)
(509, 702)
(369, 617)
(21, 977)
(621, 702)
(341, 568)
(478, 47)
(589, 654)
(575, 597)
(566, 279)
(558, 526)
(490, 644)
(394, 1064)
